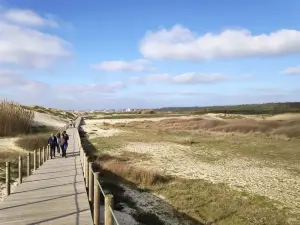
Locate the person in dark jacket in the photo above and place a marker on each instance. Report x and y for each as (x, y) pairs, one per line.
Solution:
(52, 141)
(64, 143)
(58, 139)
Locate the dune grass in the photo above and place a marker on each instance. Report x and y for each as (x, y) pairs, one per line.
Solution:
(33, 142)
(289, 128)
(202, 201)
(265, 140)
(14, 119)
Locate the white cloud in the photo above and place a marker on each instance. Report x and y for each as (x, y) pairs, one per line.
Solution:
(31, 48)
(180, 43)
(92, 88)
(13, 80)
(292, 70)
(28, 17)
(185, 78)
(138, 65)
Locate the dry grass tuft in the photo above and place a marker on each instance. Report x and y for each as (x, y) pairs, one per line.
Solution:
(136, 175)
(14, 119)
(33, 142)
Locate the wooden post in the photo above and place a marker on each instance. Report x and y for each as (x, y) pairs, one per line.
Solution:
(44, 155)
(109, 202)
(91, 182)
(87, 172)
(20, 170)
(83, 168)
(40, 157)
(48, 152)
(96, 209)
(28, 164)
(7, 178)
(34, 160)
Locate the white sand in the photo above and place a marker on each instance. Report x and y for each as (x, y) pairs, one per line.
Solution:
(9, 144)
(285, 116)
(238, 172)
(94, 131)
(48, 120)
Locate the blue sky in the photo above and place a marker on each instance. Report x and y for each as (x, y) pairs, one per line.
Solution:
(145, 54)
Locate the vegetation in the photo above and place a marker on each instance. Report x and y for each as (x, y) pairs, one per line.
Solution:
(196, 201)
(33, 142)
(273, 141)
(14, 119)
(267, 108)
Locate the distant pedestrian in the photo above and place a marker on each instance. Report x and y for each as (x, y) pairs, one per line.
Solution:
(64, 143)
(52, 141)
(58, 140)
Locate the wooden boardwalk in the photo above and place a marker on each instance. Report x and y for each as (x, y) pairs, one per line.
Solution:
(54, 194)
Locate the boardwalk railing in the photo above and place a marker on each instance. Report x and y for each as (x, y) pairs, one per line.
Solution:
(25, 165)
(95, 190)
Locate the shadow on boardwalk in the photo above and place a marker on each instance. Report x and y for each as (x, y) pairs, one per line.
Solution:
(53, 194)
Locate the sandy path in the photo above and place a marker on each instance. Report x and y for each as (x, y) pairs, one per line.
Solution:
(251, 175)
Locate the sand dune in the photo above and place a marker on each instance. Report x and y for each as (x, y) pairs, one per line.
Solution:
(48, 120)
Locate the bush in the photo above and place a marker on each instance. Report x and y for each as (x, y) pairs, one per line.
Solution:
(14, 119)
(33, 142)
(124, 170)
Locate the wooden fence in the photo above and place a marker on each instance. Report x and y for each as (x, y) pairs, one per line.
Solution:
(25, 165)
(95, 190)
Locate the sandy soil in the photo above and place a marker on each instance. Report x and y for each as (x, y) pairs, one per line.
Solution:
(94, 131)
(48, 120)
(285, 116)
(9, 144)
(240, 173)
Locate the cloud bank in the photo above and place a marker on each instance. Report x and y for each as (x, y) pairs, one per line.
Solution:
(180, 43)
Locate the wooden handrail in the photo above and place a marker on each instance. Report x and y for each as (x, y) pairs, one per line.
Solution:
(39, 158)
(94, 188)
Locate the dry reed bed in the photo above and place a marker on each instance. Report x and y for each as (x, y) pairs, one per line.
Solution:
(14, 119)
(137, 175)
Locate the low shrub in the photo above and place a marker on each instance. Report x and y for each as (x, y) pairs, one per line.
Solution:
(33, 142)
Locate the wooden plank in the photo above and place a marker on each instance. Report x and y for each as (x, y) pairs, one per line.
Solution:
(53, 194)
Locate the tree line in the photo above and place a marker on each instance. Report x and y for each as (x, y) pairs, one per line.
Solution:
(265, 108)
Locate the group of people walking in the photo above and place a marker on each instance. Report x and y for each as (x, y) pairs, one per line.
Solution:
(58, 142)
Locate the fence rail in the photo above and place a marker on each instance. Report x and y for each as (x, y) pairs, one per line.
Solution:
(24, 165)
(95, 190)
